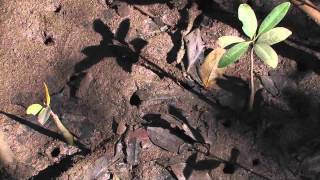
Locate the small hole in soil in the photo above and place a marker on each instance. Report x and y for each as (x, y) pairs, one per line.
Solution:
(229, 168)
(55, 152)
(255, 162)
(302, 67)
(48, 41)
(227, 123)
(135, 100)
(58, 8)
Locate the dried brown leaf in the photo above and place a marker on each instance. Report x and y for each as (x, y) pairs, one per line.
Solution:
(164, 139)
(209, 70)
(195, 47)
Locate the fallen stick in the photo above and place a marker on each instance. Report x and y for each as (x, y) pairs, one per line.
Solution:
(309, 8)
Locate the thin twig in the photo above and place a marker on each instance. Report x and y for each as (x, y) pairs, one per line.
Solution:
(309, 8)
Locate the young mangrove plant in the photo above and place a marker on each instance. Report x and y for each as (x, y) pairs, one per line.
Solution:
(259, 41)
(43, 113)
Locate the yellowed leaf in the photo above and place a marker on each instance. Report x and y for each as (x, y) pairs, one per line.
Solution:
(209, 70)
(115, 177)
(46, 90)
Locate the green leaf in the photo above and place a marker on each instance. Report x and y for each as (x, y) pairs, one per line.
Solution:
(248, 18)
(267, 54)
(233, 54)
(44, 115)
(274, 36)
(46, 90)
(225, 41)
(274, 17)
(34, 109)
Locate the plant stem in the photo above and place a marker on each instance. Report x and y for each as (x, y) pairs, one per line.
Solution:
(251, 100)
(65, 132)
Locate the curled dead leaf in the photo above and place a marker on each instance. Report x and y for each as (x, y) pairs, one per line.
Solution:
(209, 70)
(195, 47)
(165, 139)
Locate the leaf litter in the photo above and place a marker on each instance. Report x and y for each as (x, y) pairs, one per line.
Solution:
(209, 70)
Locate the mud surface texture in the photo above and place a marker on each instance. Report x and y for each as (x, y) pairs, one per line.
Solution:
(112, 73)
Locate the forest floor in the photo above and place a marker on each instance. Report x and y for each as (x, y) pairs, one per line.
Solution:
(115, 83)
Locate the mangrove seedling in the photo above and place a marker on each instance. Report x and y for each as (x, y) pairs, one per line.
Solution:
(43, 113)
(259, 41)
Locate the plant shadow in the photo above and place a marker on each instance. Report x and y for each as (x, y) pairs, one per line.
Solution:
(112, 45)
(43, 130)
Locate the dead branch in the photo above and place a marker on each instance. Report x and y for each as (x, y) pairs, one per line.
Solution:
(309, 8)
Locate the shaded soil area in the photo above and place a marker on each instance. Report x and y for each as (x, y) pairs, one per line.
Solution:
(112, 72)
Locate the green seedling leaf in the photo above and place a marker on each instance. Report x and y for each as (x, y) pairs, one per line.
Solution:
(209, 71)
(225, 41)
(44, 115)
(34, 109)
(274, 36)
(46, 90)
(267, 54)
(233, 54)
(274, 17)
(248, 18)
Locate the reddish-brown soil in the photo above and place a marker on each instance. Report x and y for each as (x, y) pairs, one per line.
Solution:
(109, 64)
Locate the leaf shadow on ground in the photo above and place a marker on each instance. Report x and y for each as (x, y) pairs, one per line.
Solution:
(192, 164)
(4, 174)
(55, 170)
(176, 37)
(179, 114)
(111, 45)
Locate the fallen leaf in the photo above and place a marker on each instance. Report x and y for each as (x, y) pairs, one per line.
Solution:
(115, 177)
(269, 85)
(174, 122)
(133, 150)
(44, 115)
(46, 90)
(177, 169)
(164, 139)
(188, 131)
(182, 117)
(141, 135)
(193, 13)
(122, 127)
(209, 70)
(34, 109)
(195, 47)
